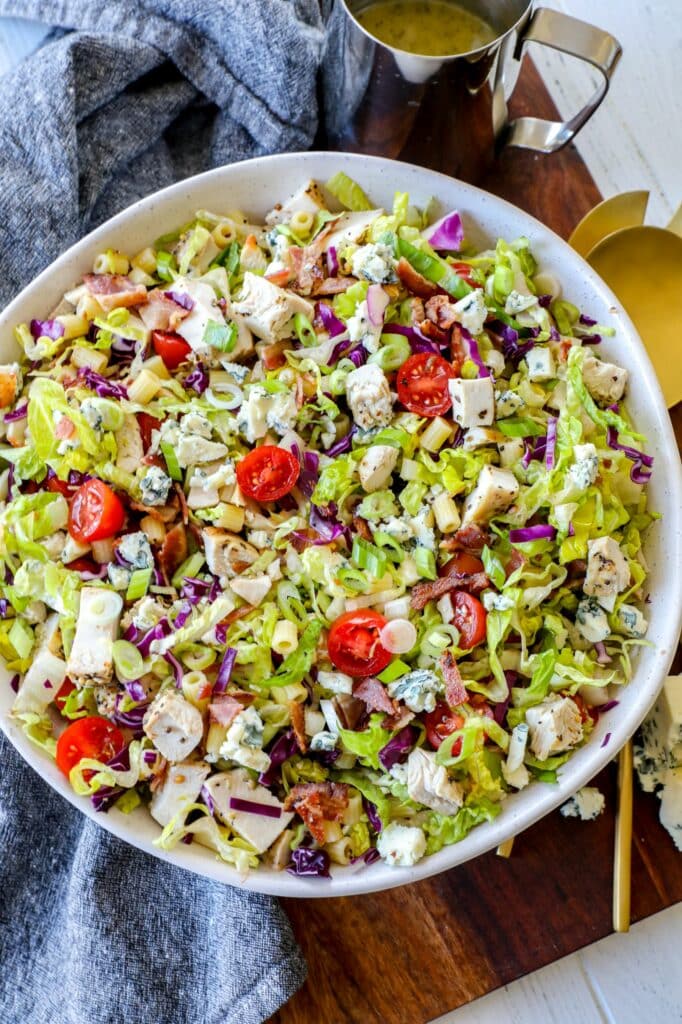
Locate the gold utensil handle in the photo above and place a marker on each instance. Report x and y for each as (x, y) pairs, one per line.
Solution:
(623, 843)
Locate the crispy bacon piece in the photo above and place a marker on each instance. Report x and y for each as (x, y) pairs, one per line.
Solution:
(183, 502)
(160, 313)
(349, 710)
(297, 716)
(114, 290)
(361, 527)
(333, 285)
(402, 717)
(374, 695)
(224, 709)
(273, 355)
(430, 330)
(173, 551)
(441, 311)
(413, 281)
(162, 513)
(455, 691)
(468, 538)
(237, 613)
(317, 802)
(456, 347)
(473, 583)
(516, 560)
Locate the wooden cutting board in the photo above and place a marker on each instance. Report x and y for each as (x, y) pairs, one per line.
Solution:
(411, 954)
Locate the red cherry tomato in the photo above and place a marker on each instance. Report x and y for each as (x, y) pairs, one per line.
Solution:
(462, 562)
(423, 384)
(470, 619)
(268, 473)
(147, 424)
(442, 722)
(171, 347)
(58, 486)
(464, 270)
(96, 512)
(63, 692)
(354, 645)
(88, 737)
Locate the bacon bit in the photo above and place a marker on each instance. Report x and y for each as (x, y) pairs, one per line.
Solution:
(455, 690)
(417, 314)
(154, 460)
(237, 613)
(413, 281)
(183, 502)
(273, 355)
(224, 709)
(441, 311)
(114, 290)
(333, 285)
(297, 716)
(317, 802)
(162, 513)
(473, 583)
(374, 695)
(280, 277)
(64, 428)
(361, 527)
(480, 705)
(348, 709)
(430, 330)
(159, 777)
(516, 560)
(173, 551)
(468, 538)
(564, 350)
(160, 313)
(456, 346)
(402, 717)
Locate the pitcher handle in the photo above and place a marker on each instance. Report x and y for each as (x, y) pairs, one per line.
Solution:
(579, 39)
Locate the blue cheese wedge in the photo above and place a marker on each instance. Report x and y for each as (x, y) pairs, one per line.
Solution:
(587, 804)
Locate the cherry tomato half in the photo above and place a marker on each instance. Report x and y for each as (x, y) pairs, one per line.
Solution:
(96, 512)
(442, 722)
(464, 270)
(423, 384)
(354, 645)
(470, 619)
(63, 692)
(147, 425)
(171, 347)
(58, 486)
(462, 562)
(88, 737)
(268, 473)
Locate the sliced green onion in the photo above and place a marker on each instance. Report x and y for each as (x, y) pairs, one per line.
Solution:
(503, 282)
(393, 548)
(165, 265)
(190, 567)
(395, 349)
(128, 662)
(438, 640)
(370, 557)
(304, 330)
(172, 464)
(229, 258)
(434, 269)
(21, 638)
(139, 584)
(197, 657)
(128, 801)
(426, 563)
(352, 579)
(565, 314)
(394, 671)
(290, 604)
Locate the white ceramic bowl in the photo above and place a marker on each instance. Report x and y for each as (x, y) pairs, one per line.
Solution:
(254, 187)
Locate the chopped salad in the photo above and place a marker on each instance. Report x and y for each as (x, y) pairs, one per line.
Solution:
(321, 535)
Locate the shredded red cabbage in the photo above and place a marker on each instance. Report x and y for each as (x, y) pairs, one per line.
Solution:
(551, 442)
(332, 325)
(605, 740)
(182, 616)
(51, 329)
(225, 670)
(197, 380)
(131, 719)
(205, 794)
(641, 471)
(418, 341)
(4, 607)
(474, 354)
(282, 749)
(157, 632)
(603, 708)
(500, 709)
(372, 813)
(93, 574)
(536, 448)
(514, 350)
(447, 234)
(542, 531)
(397, 748)
(586, 320)
(100, 385)
(343, 445)
(310, 470)
(368, 857)
(178, 670)
(339, 351)
(149, 756)
(591, 339)
(18, 414)
(545, 301)
(332, 261)
(305, 861)
(135, 690)
(358, 356)
(254, 807)
(14, 683)
(186, 301)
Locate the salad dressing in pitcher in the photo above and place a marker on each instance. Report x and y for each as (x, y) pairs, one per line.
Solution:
(432, 28)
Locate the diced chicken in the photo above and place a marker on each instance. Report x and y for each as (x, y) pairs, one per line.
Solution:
(428, 783)
(605, 381)
(554, 726)
(129, 449)
(511, 451)
(480, 437)
(10, 384)
(472, 311)
(494, 492)
(350, 228)
(181, 787)
(90, 659)
(608, 572)
(540, 363)
(174, 726)
(160, 313)
(252, 590)
(307, 199)
(258, 830)
(205, 311)
(114, 290)
(369, 396)
(46, 672)
(376, 466)
(226, 553)
(267, 309)
(473, 401)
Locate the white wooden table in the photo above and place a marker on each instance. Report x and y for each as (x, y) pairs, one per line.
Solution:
(634, 141)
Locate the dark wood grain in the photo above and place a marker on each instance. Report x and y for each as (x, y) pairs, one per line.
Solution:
(411, 954)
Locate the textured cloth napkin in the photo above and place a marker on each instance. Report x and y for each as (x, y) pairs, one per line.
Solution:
(126, 97)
